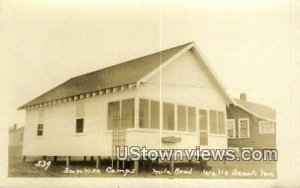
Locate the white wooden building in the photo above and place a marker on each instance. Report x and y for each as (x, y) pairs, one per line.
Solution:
(170, 99)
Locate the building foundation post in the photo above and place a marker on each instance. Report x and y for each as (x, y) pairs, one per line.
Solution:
(68, 158)
(98, 160)
(136, 166)
(172, 164)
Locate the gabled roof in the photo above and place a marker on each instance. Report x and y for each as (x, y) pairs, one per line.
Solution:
(259, 110)
(129, 72)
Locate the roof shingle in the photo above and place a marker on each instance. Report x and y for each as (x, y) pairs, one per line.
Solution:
(259, 110)
(124, 73)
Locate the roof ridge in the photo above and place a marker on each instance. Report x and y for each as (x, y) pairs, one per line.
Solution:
(254, 103)
(133, 59)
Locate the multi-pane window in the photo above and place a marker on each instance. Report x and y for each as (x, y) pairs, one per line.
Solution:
(213, 121)
(191, 119)
(168, 116)
(127, 119)
(221, 123)
(266, 127)
(181, 117)
(154, 114)
(121, 114)
(79, 125)
(217, 122)
(113, 114)
(40, 129)
(203, 127)
(244, 130)
(144, 113)
(231, 128)
(148, 114)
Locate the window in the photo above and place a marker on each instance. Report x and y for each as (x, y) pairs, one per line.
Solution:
(124, 108)
(144, 113)
(266, 127)
(213, 122)
(154, 114)
(181, 118)
(244, 130)
(203, 127)
(221, 123)
(40, 129)
(168, 116)
(191, 119)
(231, 128)
(79, 125)
(217, 122)
(128, 113)
(113, 114)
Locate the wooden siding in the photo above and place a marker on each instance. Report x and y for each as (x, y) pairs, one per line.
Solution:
(256, 140)
(179, 80)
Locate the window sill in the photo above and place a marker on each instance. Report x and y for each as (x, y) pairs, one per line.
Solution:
(218, 135)
(79, 134)
(155, 131)
(39, 137)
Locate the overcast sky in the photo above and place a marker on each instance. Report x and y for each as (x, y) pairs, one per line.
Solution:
(44, 43)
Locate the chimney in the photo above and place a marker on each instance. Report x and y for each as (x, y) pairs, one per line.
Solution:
(15, 126)
(243, 96)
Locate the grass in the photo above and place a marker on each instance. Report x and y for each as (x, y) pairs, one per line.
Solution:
(213, 169)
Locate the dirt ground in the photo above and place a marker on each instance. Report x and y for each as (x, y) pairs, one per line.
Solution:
(80, 168)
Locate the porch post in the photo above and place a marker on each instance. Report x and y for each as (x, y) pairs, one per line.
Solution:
(118, 163)
(136, 166)
(68, 161)
(172, 164)
(98, 162)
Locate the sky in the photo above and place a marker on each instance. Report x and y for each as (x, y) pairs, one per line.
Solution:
(44, 43)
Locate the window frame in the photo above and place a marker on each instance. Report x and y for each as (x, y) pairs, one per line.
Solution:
(234, 128)
(40, 129)
(185, 118)
(147, 118)
(260, 123)
(248, 127)
(167, 128)
(217, 120)
(133, 115)
(77, 119)
(188, 118)
(108, 120)
(120, 101)
(150, 114)
(207, 126)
